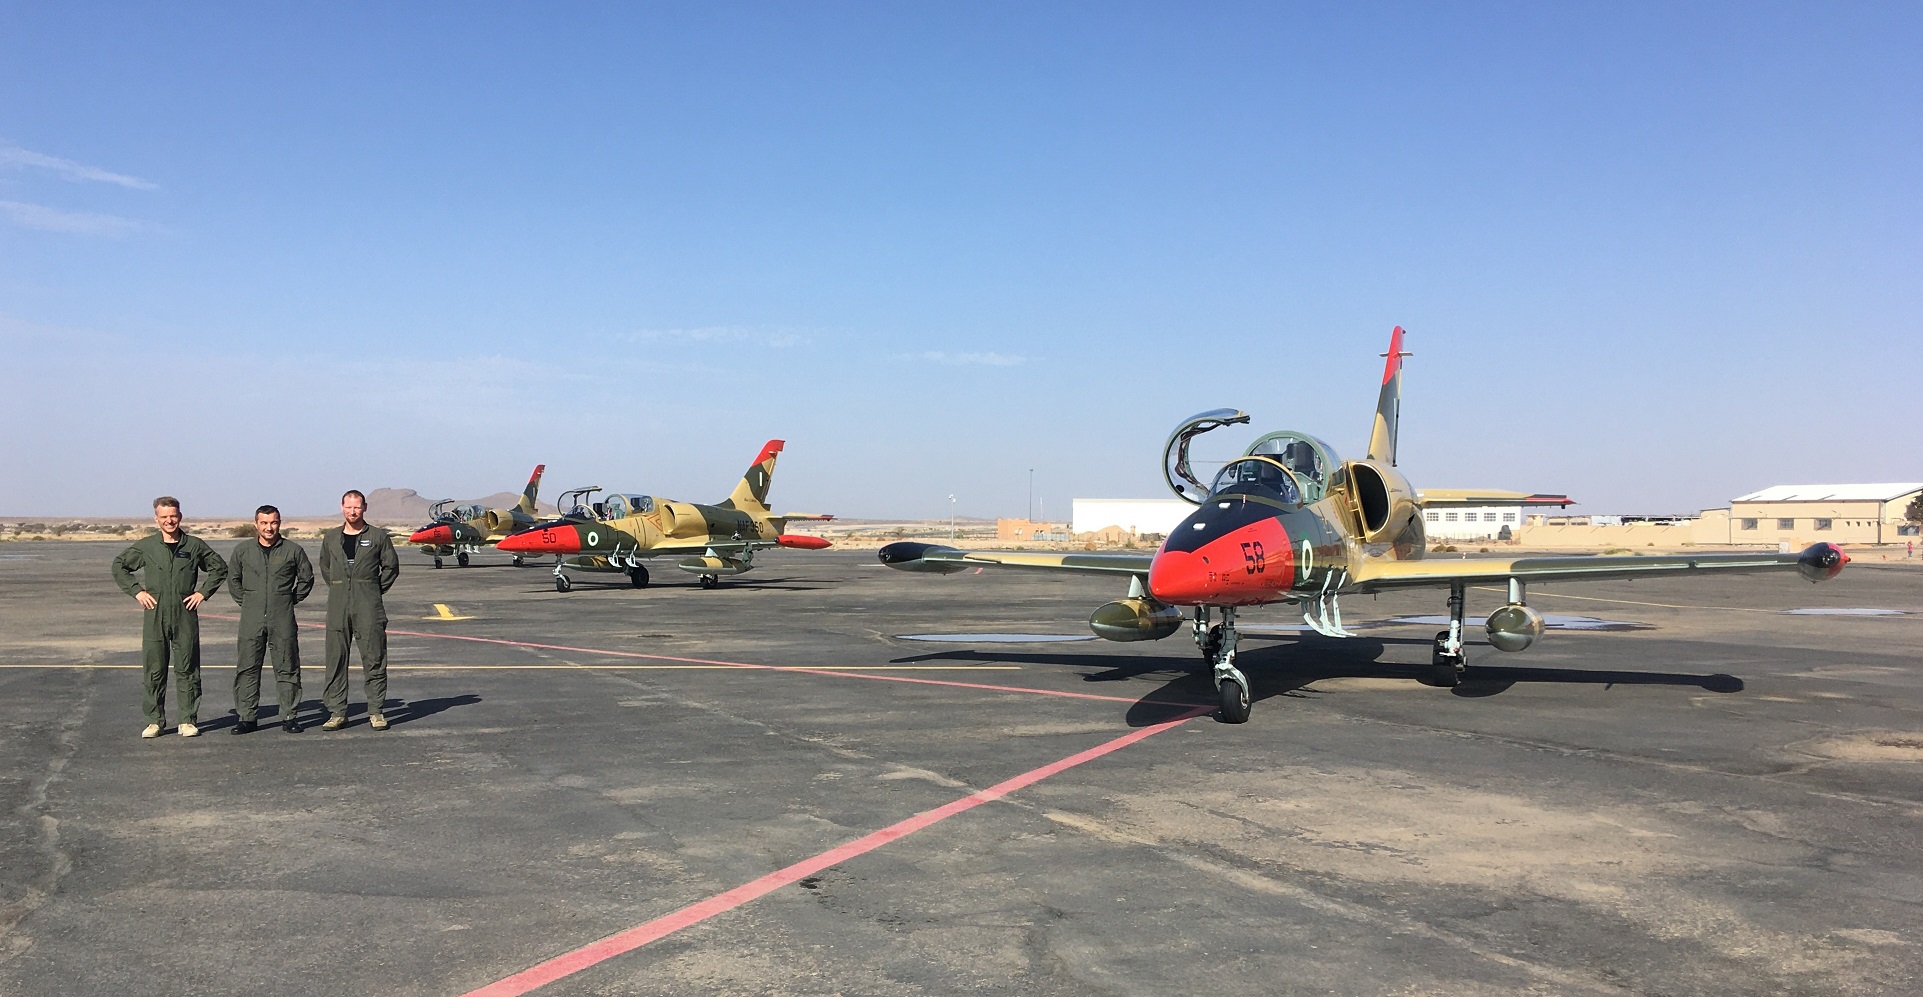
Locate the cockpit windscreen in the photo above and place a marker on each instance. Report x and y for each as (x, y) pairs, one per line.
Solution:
(1257, 476)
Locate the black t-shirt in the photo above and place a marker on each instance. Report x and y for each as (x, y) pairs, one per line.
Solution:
(347, 544)
(173, 547)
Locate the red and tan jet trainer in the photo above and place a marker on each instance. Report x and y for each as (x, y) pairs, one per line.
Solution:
(1290, 522)
(621, 532)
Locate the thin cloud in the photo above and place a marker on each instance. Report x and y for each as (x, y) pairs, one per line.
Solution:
(972, 359)
(13, 155)
(69, 222)
(770, 338)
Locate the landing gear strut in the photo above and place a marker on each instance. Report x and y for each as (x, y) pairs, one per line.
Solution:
(1445, 664)
(1218, 648)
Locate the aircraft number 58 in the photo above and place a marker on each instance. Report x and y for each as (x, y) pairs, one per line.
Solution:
(1253, 558)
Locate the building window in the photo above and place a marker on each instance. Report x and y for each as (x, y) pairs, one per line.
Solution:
(1749, 524)
(1449, 517)
(1488, 517)
(1824, 524)
(1432, 516)
(1909, 531)
(1786, 524)
(1508, 517)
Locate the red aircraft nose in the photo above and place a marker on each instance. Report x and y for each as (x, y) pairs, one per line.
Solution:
(438, 534)
(546, 540)
(1181, 578)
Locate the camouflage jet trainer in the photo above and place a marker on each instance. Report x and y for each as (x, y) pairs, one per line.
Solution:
(470, 529)
(1291, 522)
(621, 531)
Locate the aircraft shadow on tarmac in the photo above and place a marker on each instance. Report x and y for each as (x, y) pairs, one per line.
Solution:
(583, 585)
(397, 712)
(1286, 669)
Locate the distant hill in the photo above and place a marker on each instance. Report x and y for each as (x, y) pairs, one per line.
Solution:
(407, 507)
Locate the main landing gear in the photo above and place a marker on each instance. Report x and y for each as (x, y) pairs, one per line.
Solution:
(1218, 649)
(710, 581)
(461, 559)
(638, 576)
(1445, 663)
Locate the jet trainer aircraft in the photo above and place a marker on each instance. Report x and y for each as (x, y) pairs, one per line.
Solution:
(469, 529)
(621, 531)
(1290, 522)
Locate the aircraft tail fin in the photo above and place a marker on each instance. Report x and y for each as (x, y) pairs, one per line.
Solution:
(531, 492)
(1388, 406)
(751, 494)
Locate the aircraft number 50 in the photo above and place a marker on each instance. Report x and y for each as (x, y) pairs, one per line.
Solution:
(1253, 558)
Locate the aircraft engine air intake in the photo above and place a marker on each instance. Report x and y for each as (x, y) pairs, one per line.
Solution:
(1513, 628)
(1135, 619)
(1385, 503)
(498, 521)
(712, 565)
(681, 520)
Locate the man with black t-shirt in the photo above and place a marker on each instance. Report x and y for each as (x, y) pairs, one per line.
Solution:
(358, 563)
(178, 572)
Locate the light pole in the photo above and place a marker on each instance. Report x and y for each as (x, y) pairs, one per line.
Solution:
(951, 517)
(1031, 494)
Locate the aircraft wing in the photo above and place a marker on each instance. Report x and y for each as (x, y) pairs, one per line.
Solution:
(908, 555)
(1816, 563)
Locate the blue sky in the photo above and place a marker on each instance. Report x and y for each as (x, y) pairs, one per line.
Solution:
(1650, 255)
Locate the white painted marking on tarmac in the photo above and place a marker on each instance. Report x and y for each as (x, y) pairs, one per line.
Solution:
(993, 638)
(1844, 612)
(1550, 621)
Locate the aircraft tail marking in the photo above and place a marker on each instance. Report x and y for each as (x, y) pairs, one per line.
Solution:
(531, 492)
(1388, 406)
(751, 494)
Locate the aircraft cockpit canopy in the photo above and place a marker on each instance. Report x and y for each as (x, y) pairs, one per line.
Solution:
(618, 506)
(1257, 476)
(1308, 458)
(469, 513)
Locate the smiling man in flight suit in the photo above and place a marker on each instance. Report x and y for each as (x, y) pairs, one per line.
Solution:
(270, 575)
(179, 571)
(358, 564)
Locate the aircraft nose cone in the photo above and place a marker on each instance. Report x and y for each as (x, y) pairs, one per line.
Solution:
(545, 540)
(1181, 578)
(437, 534)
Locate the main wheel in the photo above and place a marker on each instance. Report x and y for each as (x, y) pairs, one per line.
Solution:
(461, 559)
(437, 562)
(562, 583)
(710, 581)
(638, 575)
(1445, 670)
(517, 561)
(1235, 702)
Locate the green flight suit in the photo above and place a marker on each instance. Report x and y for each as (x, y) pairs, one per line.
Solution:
(267, 582)
(169, 631)
(355, 613)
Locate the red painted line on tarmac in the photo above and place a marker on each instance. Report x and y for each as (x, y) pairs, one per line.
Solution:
(566, 965)
(772, 668)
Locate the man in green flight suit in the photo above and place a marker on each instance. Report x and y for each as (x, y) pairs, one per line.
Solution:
(179, 571)
(358, 564)
(270, 575)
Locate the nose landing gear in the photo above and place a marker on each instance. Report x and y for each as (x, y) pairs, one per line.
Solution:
(1445, 662)
(1218, 648)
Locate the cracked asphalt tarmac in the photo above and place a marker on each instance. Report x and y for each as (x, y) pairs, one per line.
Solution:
(1728, 801)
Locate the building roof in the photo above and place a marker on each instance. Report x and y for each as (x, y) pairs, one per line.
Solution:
(1885, 492)
(1446, 497)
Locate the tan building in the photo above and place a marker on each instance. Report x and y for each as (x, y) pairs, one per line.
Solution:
(1023, 530)
(1800, 515)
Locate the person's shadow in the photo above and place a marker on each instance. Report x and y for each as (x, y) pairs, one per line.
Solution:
(312, 712)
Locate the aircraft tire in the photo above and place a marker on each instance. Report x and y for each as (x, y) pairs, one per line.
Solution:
(710, 582)
(562, 583)
(461, 559)
(517, 561)
(1235, 702)
(437, 562)
(638, 576)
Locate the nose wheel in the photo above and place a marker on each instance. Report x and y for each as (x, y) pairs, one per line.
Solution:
(562, 583)
(437, 562)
